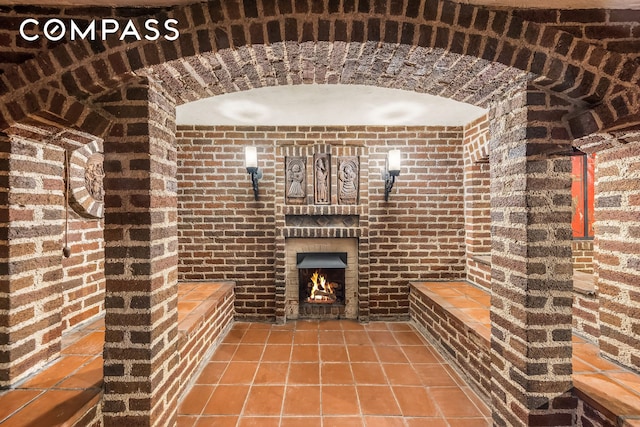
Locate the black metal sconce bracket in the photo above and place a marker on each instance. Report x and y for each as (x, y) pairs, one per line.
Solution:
(389, 180)
(256, 175)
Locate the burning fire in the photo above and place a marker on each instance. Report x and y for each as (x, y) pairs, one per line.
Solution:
(322, 291)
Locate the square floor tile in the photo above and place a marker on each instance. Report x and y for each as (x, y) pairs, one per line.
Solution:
(280, 337)
(362, 353)
(305, 353)
(340, 400)
(227, 400)
(336, 373)
(195, 401)
(434, 375)
(382, 338)
(421, 354)
(331, 337)
(401, 374)
(271, 373)
(391, 354)
(212, 373)
(368, 373)
(248, 353)
(265, 400)
(302, 337)
(304, 373)
(333, 353)
(276, 353)
(415, 402)
(453, 402)
(239, 373)
(377, 400)
(302, 400)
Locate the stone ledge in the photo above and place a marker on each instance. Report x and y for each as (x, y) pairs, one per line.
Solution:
(584, 283)
(198, 301)
(482, 259)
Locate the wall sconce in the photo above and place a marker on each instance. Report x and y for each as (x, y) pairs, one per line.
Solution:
(392, 170)
(251, 163)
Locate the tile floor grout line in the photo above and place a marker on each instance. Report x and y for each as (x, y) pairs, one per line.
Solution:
(375, 349)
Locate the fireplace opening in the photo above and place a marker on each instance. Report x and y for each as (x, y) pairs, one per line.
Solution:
(321, 277)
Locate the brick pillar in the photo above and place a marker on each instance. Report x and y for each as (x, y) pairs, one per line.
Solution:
(31, 231)
(5, 297)
(140, 353)
(531, 263)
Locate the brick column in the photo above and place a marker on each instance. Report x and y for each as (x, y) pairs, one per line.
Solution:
(31, 231)
(531, 263)
(5, 297)
(140, 353)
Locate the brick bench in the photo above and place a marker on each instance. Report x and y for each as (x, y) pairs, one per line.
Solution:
(205, 313)
(68, 392)
(455, 317)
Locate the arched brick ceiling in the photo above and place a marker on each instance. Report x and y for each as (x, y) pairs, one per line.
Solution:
(380, 39)
(424, 70)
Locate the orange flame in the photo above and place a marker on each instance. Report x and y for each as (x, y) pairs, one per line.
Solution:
(320, 287)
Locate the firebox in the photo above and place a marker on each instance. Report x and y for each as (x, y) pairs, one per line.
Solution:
(321, 277)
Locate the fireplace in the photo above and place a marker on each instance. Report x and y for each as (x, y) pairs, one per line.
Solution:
(333, 264)
(321, 277)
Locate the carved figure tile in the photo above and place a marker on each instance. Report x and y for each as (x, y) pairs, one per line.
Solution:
(296, 180)
(93, 176)
(86, 175)
(322, 178)
(348, 180)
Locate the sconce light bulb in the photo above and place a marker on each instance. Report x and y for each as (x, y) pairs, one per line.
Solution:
(393, 161)
(250, 157)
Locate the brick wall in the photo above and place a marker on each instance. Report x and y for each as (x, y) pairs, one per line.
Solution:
(32, 300)
(617, 245)
(582, 255)
(224, 234)
(419, 233)
(477, 202)
(585, 315)
(45, 294)
(83, 272)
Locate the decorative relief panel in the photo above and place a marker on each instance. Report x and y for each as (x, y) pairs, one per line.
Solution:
(322, 178)
(296, 177)
(86, 176)
(348, 180)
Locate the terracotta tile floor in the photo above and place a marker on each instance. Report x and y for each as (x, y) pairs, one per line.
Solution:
(329, 373)
(69, 386)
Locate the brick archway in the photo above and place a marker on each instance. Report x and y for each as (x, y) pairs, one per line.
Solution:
(600, 83)
(464, 52)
